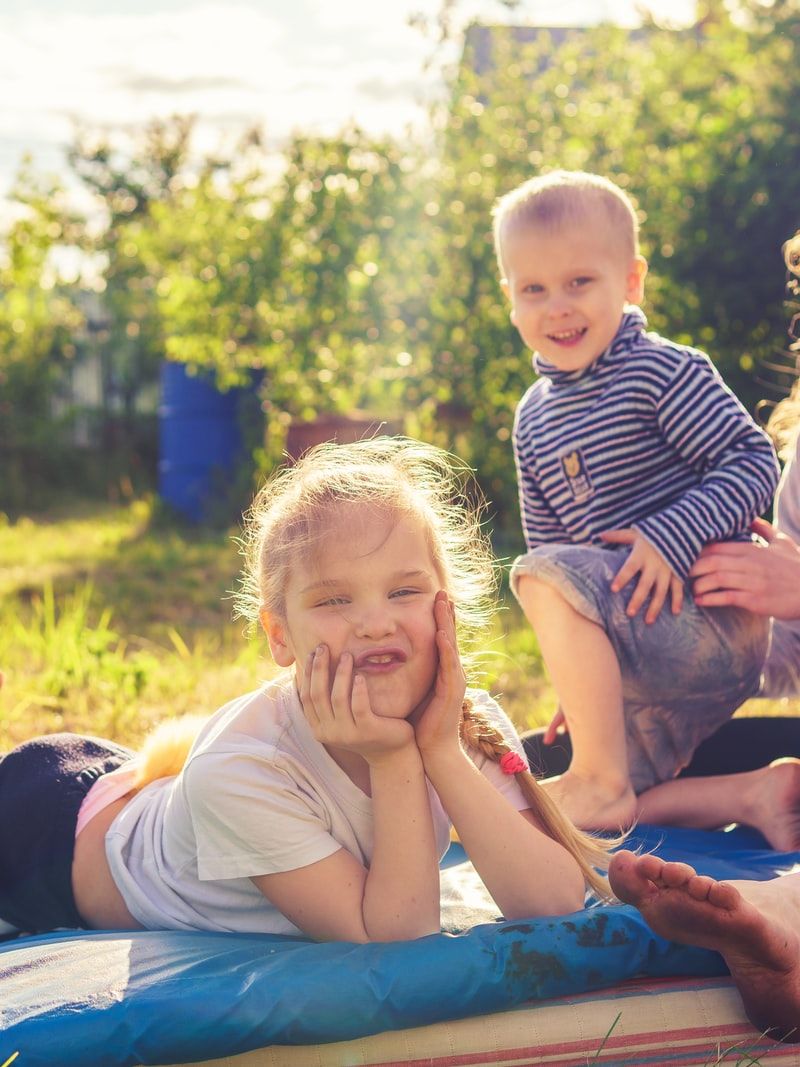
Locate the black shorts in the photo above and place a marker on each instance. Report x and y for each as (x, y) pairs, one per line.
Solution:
(743, 744)
(42, 785)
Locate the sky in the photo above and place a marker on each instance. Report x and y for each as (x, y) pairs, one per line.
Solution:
(282, 64)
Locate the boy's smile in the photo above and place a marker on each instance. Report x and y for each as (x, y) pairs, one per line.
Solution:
(367, 591)
(568, 288)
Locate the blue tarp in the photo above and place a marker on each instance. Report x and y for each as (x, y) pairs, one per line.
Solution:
(120, 999)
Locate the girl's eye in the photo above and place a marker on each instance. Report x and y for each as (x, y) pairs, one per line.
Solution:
(331, 601)
(579, 282)
(403, 592)
(533, 289)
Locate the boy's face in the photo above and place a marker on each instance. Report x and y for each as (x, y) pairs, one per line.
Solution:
(568, 287)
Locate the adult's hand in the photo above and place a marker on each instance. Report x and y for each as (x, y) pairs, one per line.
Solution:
(762, 578)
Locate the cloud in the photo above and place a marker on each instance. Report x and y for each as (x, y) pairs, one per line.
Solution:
(378, 88)
(152, 83)
(281, 64)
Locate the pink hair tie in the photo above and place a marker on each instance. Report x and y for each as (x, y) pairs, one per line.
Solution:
(511, 763)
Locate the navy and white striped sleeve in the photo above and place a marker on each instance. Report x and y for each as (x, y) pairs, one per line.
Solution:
(703, 421)
(540, 524)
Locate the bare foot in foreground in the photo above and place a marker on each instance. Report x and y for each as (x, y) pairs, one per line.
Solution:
(753, 926)
(774, 797)
(593, 803)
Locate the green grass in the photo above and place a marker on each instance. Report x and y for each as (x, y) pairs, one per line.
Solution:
(112, 619)
(738, 1054)
(110, 622)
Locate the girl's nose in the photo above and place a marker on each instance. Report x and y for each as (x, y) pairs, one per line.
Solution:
(559, 307)
(374, 623)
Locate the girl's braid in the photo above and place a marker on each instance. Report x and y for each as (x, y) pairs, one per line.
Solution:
(479, 733)
(590, 853)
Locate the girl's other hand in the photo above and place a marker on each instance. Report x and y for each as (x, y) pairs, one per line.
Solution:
(436, 723)
(340, 714)
(764, 579)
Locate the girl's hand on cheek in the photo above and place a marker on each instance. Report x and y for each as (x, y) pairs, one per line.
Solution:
(436, 725)
(340, 713)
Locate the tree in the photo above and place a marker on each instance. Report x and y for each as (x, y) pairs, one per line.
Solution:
(129, 179)
(38, 325)
(698, 125)
(313, 277)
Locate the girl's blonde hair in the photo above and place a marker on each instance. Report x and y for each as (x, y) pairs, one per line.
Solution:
(292, 513)
(590, 853)
(784, 422)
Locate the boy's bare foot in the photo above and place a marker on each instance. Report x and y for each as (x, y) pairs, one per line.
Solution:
(773, 802)
(753, 926)
(593, 803)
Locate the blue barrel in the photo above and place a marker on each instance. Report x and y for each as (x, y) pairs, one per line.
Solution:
(200, 438)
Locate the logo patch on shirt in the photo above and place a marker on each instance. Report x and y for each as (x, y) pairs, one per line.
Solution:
(576, 473)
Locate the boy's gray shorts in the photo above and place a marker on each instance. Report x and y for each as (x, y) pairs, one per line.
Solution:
(682, 676)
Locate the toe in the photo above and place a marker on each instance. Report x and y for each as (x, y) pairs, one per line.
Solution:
(675, 875)
(724, 895)
(650, 866)
(627, 878)
(699, 886)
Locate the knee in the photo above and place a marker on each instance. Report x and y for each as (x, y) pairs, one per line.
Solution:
(539, 596)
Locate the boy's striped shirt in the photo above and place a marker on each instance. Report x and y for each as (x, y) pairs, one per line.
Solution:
(648, 436)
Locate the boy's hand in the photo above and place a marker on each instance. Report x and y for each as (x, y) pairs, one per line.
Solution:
(656, 577)
(340, 714)
(558, 725)
(436, 725)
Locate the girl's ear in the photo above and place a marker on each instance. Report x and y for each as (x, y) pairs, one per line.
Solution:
(279, 644)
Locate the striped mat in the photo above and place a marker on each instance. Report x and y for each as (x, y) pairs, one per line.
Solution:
(646, 1021)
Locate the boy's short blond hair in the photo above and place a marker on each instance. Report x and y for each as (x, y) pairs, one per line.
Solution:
(565, 197)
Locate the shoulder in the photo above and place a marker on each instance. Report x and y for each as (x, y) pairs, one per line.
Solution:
(662, 364)
(259, 714)
(250, 736)
(488, 707)
(669, 354)
(534, 397)
(532, 409)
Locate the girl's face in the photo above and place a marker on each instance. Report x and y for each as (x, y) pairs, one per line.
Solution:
(367, 590)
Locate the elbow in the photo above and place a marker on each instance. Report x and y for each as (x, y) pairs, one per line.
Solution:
(573, 895)
(571, 901)
(568, 896)
(405, 928)
(554, 906)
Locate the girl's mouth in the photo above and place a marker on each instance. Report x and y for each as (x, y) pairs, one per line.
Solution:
(567, 338)
(380, 660)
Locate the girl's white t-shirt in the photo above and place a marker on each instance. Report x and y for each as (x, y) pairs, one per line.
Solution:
(257, 795)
